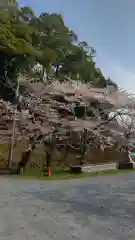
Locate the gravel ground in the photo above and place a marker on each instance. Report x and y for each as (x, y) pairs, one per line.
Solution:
(98, 208)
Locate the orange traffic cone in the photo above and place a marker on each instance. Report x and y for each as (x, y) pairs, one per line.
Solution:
(49, 172)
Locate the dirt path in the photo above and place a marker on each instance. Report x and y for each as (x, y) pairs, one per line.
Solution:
(99, 208)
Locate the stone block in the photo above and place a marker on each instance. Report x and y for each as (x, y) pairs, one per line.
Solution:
(80, 169)
(125, 165)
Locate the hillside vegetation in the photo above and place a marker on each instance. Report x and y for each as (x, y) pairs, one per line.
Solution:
(26, 39)
(64, 107)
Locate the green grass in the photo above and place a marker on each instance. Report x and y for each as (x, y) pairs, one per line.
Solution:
(63, 174)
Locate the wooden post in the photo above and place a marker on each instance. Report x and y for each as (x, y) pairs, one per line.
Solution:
(11, 147)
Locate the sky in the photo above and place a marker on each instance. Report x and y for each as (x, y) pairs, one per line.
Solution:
(106, 25)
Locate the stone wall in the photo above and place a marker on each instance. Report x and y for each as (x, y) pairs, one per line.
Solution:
(38, 156)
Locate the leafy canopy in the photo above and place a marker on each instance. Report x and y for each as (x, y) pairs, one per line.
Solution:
(26, 38)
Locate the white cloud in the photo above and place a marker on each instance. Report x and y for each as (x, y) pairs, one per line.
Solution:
(113, 69)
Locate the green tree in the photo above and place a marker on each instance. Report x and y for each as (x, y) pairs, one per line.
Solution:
(53, 34)
(79, 62)
(26, 38)
(26, 14)
(109, 82)
(15, 45)
(46, 59)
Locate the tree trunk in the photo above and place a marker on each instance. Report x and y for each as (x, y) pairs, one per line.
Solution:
(81, 162)
(57, 70)
(11, 148)
(82, 159)
(43, 77)
(83, 146)
(62, 161)
(48, 159)
(25, 158)
(125, 154)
